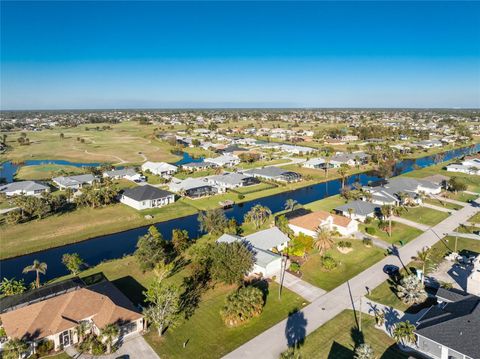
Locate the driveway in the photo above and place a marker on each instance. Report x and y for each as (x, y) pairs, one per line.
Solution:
(299, 286)
(272, 342)
(134, 347)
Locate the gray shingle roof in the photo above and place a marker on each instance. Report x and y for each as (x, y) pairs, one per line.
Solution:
(362, 208)
(143, 193)
(25, 186)
(267, 239)
(74, 180)
(456, 326)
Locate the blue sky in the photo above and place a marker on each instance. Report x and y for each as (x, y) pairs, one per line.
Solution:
(57, 55)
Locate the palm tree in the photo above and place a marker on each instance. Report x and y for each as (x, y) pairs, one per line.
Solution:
(11, 286)
(109, 333)
(328, 157)
(290, 205)
(38, 267)
(324, 240)
(404, 332)
(69, 193)
(258, 215)
(81, 329)
(14, 348)
(363, 351)
(411, 290)
(343, 171)
(351, 211)
(388, 211)
(423, 256)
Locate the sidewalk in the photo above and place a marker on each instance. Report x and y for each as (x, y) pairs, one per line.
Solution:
(302, 288)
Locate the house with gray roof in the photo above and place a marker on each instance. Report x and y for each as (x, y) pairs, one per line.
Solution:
(231, 180)
(274, 174)
(350, 159)
(197, 166)
(227, 160)
(74, 182)
(125, 173)
(359, 210)
(25, 188)
(451, 330)
(262, 244)
(192, 187)
(145, 197)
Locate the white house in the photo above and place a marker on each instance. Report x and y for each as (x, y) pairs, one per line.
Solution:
(160, 168)
(231, 180)
(473, 280)
(358, 210)
(309, 223)
(145, 197)
(74, 182)
(26, 188)
(224, 160)
(126, 173)
(315, 163)
(470, 167)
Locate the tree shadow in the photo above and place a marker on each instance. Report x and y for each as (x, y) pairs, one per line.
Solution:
(392, 317)
(295, 330)
(132, 289)
(357, 336)
(261, 284)
(195, 285)
(338, 351)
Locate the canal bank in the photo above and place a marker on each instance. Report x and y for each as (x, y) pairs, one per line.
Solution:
(116, 245)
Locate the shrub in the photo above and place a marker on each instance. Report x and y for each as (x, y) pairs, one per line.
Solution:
(241, 196)
(367, 241)
(345, 244)
(370, 230)
(242, 305)
(45, 347)
(368, 220)
(295, 267)
(328, 262)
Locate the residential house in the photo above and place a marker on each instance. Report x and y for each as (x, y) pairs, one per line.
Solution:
(450, 330)
(162, 169)
(74, 182)
(224, 160)
(274, 174)
(125, 173)
(471, 167)
(265, 245)
(350, 159)
(231, 180)
(54, 311)
(473, 280)
(358, 210)
(192, 187)
(145, 197)
(426, 144)
(197, 166)
(316, 163)
(309, 223)
(26, 188)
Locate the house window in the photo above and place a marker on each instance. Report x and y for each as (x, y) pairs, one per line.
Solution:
(430, 347)
(65, 338)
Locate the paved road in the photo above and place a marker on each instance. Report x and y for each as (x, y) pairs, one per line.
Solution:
(302, 288)
(420, 226)
(272, 342)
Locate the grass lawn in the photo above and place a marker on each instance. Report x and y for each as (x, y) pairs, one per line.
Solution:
(207, 335)
(319, 175)
(443, 204)
(462, 196)
(245, 165)
(400, 232)
(349, 265)
(424, 215)
(326, 204)
(200, 173)
(80, 224)
(46, 172)
(126, 142)
(475, 218)
(385, 295)
(255, 188)
(338, 337)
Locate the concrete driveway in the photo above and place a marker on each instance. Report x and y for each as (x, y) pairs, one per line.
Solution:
(300, 287)
(134, 347)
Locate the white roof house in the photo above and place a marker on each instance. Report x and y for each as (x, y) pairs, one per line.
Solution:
(159, 168)
(192, 187)
(231, 180)
(471, 167)
(126, 173)
(27, 188)
(74, 182)
(224, 160)
(315, 163)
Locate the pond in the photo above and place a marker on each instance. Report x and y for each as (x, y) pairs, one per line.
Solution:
(116, 245)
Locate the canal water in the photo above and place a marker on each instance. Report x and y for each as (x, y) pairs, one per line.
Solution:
(112, 246)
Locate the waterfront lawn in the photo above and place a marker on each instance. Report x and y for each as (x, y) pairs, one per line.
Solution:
(400, 232)
(385, 294)
(349, 265)
(424, 215)
(81, 224)
(326, 204)
(207, 335)
(46, 172)
(248, 165)
(339, 336)
(440, 203)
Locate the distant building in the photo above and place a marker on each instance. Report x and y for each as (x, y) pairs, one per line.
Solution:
(224, 160)
(197, 166)
(192, 187)
(162, 169)
(275, 174)
(126, 173)
(470, 167)
(26, 188)
(145, 197)
(74, 182)
(231, 180)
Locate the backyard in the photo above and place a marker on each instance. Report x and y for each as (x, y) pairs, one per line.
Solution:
(338, 338)
(400, 232)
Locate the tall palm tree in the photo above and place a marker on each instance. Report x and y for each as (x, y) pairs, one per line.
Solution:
(258, 215)
(38, 267)
(343, 171)
(14, 348)
(109, 333)
(351, 211)
(81, 329)
(323, 240)
(388, 211)
(290, 205)
(423, 256)
(363, 351)
(404, 332)
(328, 157)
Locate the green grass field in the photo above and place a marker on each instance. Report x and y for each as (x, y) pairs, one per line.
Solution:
(475, 218)
(349, 265)
(46, 172)
(400, 232)
(424, 215)
(338, 338)
(462, 196)
(384, 293)
(442, 204)
(326, 204)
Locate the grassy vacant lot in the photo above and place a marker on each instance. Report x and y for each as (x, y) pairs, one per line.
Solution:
(46, 172)
(81, 224)
(384, 292)
(439, 203)
(462, 196)
(326, 204)
(339, 336)
(319, 174)
(277, 161)
(400, 232)
(424, 215)
(127, 142)
(349, 265)
(475, 218)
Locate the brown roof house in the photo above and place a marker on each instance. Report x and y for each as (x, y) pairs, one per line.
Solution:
(308, 223)
(54, 311)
